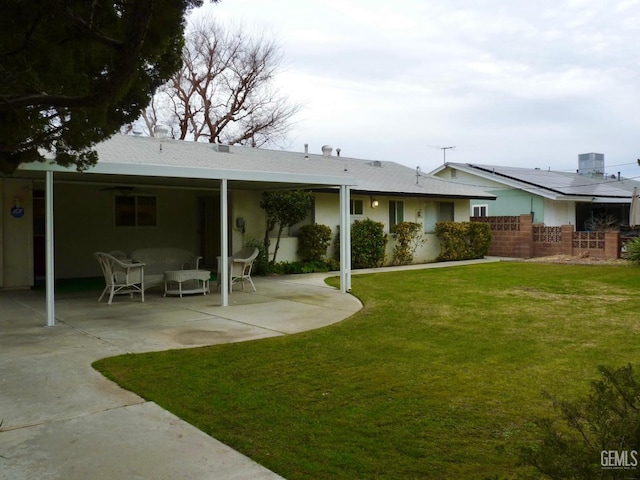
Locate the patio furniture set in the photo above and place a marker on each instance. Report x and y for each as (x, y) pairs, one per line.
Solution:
(177, 269)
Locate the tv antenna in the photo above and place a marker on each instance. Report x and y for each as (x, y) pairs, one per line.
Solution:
(444, 151)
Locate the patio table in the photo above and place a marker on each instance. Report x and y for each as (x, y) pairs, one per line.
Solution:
(188, 281)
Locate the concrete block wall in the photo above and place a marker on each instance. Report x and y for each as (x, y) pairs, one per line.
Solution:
(514, 237)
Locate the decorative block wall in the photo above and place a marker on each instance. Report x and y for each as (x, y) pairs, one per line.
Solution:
(516, 236)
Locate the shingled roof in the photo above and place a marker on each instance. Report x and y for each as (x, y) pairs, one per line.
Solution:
(372, 176)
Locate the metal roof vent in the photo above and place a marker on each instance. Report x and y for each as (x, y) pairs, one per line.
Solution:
(222, 148)
(160, 131)
(326, 150)
(376, 163)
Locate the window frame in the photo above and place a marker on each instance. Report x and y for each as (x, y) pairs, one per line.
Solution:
(483, 206)
(395, 207)
(440, 212)
(137, 209)
(352, 205)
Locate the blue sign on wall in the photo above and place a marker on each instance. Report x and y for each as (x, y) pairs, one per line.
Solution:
(17, 212)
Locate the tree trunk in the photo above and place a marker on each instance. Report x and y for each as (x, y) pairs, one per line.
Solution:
(275, 251)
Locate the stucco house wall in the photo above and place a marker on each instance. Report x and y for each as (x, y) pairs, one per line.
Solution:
(417, 210)
(16, 233)
(559, 213)
(85, 224)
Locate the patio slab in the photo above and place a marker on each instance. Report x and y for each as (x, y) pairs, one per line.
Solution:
(133, 442)
(63, 420)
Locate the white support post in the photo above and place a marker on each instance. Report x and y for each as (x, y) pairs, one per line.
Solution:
(49, 251)
(345, 240)
(224, 242)
(348, 237)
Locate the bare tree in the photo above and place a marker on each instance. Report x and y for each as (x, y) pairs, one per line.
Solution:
(225, 92)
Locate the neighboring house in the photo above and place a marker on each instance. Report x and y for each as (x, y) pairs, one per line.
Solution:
(553, 198)
(147, 192)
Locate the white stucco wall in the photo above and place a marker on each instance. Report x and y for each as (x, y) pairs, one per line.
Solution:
(557, 213)
(16, 234)
(84, 224)
(415, 210)
(246, 205)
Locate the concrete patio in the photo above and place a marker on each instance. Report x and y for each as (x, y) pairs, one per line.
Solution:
(63, 420)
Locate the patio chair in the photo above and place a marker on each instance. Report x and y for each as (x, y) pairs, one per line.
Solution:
(240, 265)
(121, 277)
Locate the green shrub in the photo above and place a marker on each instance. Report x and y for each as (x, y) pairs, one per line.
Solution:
(463, 240)
(408, 236)
(607, 420)
(632, 248)
(368, 243)
(313, 241)
(288, 268)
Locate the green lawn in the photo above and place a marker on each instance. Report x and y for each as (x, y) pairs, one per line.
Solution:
(439, 376)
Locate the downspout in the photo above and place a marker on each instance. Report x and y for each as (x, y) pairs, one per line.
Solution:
(50, 252)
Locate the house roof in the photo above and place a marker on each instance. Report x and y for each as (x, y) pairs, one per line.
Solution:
(551, 184)
(175, 160)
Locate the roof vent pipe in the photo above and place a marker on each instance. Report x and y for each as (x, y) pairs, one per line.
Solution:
(338, 151)
(306, 151)
(326, 150)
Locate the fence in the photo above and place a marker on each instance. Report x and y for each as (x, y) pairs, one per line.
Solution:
(516, 236)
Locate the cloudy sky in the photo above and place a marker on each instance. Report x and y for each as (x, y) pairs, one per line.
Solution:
(515, 83)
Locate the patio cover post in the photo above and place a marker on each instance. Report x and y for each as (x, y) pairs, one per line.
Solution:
(224, 242)
(49, 253)
(345, 240)
(348, 237)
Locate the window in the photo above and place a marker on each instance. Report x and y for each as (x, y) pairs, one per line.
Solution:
(396, 213)
(445, 212)
(136, 211)
(480, 210)
(356, 207)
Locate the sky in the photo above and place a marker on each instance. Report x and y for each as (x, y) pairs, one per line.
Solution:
(511, 83)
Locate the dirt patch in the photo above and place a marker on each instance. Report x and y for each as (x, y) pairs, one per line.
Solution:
(578, 260)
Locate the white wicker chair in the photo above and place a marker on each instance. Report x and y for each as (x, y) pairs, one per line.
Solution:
(240, 265)
(120, 276)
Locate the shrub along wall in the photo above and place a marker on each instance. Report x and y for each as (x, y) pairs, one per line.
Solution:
(463, 240)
